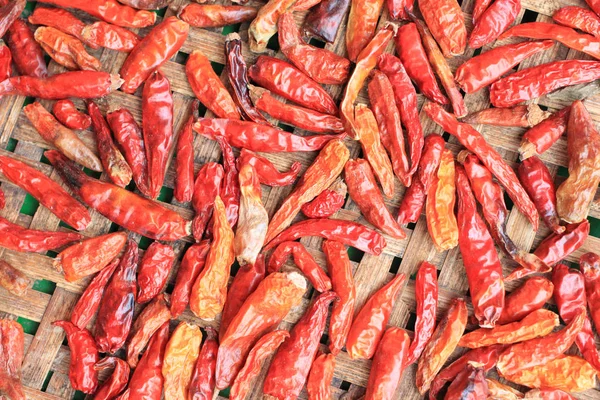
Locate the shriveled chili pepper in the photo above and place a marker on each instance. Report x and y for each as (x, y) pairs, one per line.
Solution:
(470, 383)
(13, 280)
(66, 113)
(523, 116)
(303, 260)
(2, 200)
(27, 53)
(479, 7)
(323, 20)
(412, 203)
(542, 136)
(578, 18)
(396, 8)
(237, 73)
(474, 142)
(289, 82)
(537, 81)
(558, 246)
(497, 390)
(215, 15)
(206, 188)
(291, 364)
(322, 173)
(362, 24)
(530, 296)
(414, 59)
(66, 50)
(486, 68)
(548, 394)
(426, 294)
(63, 138)
(324, 205)
(443, 342)
(493, 22)
(15, 237)
(150, 320)
(230, 187)
(89, 256)
(154, 270)
(264, 26)
(180, 359)
(189, 269)
(160, 44)
(5, 61)
(184, 166)
(263, 310)
(127, 209)
(594, 5)
(446, 21)
(202, 384)
(322, 65)
(259, 352)
(88, 303)
(318, 384)
(84, 355)
(9, 12)
(439, 208)
(589, 264)
(430, 161)
(208, 88)
(370, 322)
(12, 349)
(117, 380)
(388, 365)
(267, 173)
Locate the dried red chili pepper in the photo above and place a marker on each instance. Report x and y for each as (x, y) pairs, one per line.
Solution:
(9, 12)
(538, 183)
(84, 355)
(127, 209)
(264, 26)
(146, 4)
(110, 11)
(15, 237)
(441, 345)
(523, 116)
(184, 166)
(12, 349)
(267, 173)
(324, 205)
(291, 364)
(429, 163)
(253, 218)
(103, 34)
(486, 68)
(322, 65)
(426, 294)
(396, 8)
(117, 381)
(323, 20)
(527, 298)
(154, 270)
(594, 5)
(66, 50)
(88, 303)
(322, 173)
(479, 7)
(412, 203)
(230, 187)
(189, 269)
(206, 188)
(160, 44)
(260, 351)
(578, 18)
(263, 310)
(362, 24)
(13, 280)
(180, 359)
(318, 384)
(208, 87)
(446, 21)
(493, 22)
(500, 391)
(89, 256)
(215, 15)
(589, 264)
(67, 114)
(2, 200)
(470, 383)
(63, 138)
(558, 246)
(303, 260)
(537, 81)
(5, 61)
(150, 320)
(202, 385)
(542, 136)
(548, 394)
(27, 53)
(439, 208)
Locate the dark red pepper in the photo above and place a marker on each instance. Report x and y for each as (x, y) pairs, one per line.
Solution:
(206, 188)
(202, 385)
(303, 260)
(324, 19)
(27, 53)
(189, 269)
(117, 380)
(184, 167)
(154, 270)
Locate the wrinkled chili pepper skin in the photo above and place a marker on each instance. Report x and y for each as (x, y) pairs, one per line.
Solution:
(253, 218)
(202, 385)
(486, 68)
(66, 50)
(84, 355)
(369, 324)
(323, 20)
(184, 168)
(523, 116)
(429, 163)
(189, 269)
(318, 384)
(9, 12)
(388, 365)
(264, 26)
(261, 350)
(500, 391)
(154, 270)
(327, 203)
(103, 34)
(493, 22)
(303, 260)
(215, 15)
(479, 7)
(267, 173)
(27, 53)
(13, 280)
(17, 238)
(230, 188)
(263, 310)
(117, 380)
(362, 23)
(589, 264)
(180, 359)
(530, 296)
(470, 383)
(542, 136)
(291, 364)
(66, 113)
(575, 195)
(534, 82)
(548, 394)
(556, 247)
(578, 18)
(12, 348)
(412, 203)
(88, 303)
(206, 188)
(446, 21)
(161, 43)
(127, 209)
(439, 206)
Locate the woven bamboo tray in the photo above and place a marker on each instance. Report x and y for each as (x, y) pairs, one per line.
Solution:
(46, 363)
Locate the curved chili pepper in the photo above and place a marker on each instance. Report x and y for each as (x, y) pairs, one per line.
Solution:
(542, 136)
(12, 349)
(184, 166)
(323, 20)
(215, 15)
(230, 187)
(208, 87)
(322, 65)
(323, 172)
(486, 68)
(497, 390)
(9, 12)
(27, 53)
(237, 73)
(470, 383)
(13, 280)
(414, 59)
(127, 209)
(548, 394)
(446, 21)
(362, 24)
(206, 188)
(534, 82)
(303, 260)
(291, 364)
(60, 19)
(412, 203)
(154, 270)
(88, 303)
(63, 138)
(15, 237)
(578, 18)
(202, 385)
(103, 34)
(439, 206)
(189, 269)
(110, 11)
(117, 381)
(128, 135)
(324, 205)
(493, 22)
(370, 322)
(264, 26)
(290, 83)
(66, 113)
(388, 365)
(66, 50)
(263, 310)
(527, 298)
(84, 355)
(260, 351)
(426, 294)
(253, 218)
(318, 384)
(443, 342)
(429, 163)
(590, 267)
(479, 8)
(180, 359)
(267, 173)
(538, 183)
(160, 44)
(89, 256)
(558, 246)
(523, 116)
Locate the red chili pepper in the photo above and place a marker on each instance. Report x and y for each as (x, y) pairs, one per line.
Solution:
(230, 187)
(66, 50)
(548, 394)
(323, 20)
(127, 209)
(66, 113)
(469, 383)
(15, 237)
(160, 44)
(154, 270)
(202, 385)
(558, 246)
(318, 384)
(429, 163)
(327, 203)
(5, 61)
(523, 116)
(103, 34)
(9, 12)
(206, 188)
(414, 59)
(117, 381)
(290, 365)
(45, 190)
(542, 136)
(84, 355)
(12, 348)
(303, 260)
(479, 8)
(396, 8)
(184, 167)
(215, 15)
(499, 390)
(493, 22)
(362, 25)
(189, 269)
(412, 203)
(530, 296)
(578, 18)
(27, 53)
(14, 281)
(486, 68)
(88, 303)
(589, 264)
(446, 21)
(266, 171)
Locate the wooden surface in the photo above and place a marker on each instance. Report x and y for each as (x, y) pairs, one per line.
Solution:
(46, 362)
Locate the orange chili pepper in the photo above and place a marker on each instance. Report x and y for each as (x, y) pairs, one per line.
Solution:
(523, 116)
(388, 365)
(178, 365)
(303, 260)
(527, 298)
(206, 188)
(264, 26)
(497, 390)
(548, 394)
(439, 208)
(192, 263)
(66, 50)
(447, 23)
(318, 384)
(215, 15)
(184, 162)
(470, 383)
(66, 113)
(13, 280)
(362, 23)
(117, 380)
(542, 136)
(154, 270)
(26, 52)
(202, 385)
(324, 205)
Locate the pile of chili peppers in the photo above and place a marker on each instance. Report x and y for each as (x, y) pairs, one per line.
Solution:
(232, 229)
